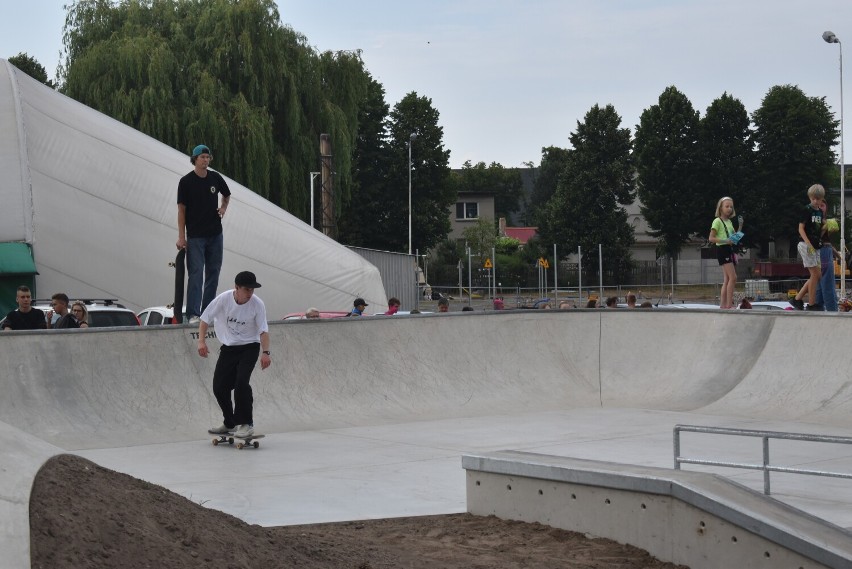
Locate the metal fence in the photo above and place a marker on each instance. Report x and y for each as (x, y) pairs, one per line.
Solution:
(766, 466)
(399, 274)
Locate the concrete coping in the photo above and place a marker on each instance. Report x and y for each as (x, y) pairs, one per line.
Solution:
(762, 515)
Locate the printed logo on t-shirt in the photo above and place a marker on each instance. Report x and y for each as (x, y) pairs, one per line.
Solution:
(236, 326)
(213, 189)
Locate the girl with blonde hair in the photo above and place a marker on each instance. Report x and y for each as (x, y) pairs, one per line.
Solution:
(721, 231)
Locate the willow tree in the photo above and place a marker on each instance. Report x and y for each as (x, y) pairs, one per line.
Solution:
(223, 72)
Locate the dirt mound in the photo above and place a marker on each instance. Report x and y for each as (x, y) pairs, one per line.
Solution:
(83, 515)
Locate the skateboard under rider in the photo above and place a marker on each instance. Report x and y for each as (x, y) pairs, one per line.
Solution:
(229, 437)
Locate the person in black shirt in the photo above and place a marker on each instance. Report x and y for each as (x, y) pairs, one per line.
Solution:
(200, 229)
(25, 317)
(810, 230)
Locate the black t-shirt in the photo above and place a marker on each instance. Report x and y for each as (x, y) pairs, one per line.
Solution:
(32, 320)
(812, 218)
(67, 321)
(200, 196)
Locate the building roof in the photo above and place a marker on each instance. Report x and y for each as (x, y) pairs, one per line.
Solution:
(522, 234)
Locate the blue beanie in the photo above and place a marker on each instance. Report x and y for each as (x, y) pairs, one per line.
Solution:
(199, 150)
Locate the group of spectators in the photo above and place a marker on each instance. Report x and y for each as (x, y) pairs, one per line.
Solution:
(63, 313)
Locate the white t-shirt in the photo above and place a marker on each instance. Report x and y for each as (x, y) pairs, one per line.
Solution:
(236, 324)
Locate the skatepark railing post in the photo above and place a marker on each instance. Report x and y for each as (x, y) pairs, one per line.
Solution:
(766, 467)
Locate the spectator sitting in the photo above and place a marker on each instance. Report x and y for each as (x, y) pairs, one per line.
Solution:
(393, 306)
(312, 313)
(631, 300)
(64, 319)
(646, 304)
(498, 304)
(565, 305)
(467, 309)
(443, 305)
(593, 303)
(612, 302)
(360, 305)
(80, 314)
(745, 304)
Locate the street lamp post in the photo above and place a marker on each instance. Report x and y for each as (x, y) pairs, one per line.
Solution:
(831, 38)
(411, 139)
(311, 188)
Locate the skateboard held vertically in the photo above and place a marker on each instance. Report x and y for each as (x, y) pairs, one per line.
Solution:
(180, 277)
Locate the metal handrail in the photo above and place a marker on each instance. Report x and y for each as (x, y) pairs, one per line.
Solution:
(766, 467)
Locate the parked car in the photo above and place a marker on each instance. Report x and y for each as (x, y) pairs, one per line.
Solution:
(159, 315)
(323, 314)
(771, 305)
(687, 306)
(103, 312)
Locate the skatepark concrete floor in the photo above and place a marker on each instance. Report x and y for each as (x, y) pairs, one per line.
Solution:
(367, 419)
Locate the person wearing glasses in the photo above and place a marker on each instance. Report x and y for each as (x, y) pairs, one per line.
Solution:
(200, 229)
(80, 314)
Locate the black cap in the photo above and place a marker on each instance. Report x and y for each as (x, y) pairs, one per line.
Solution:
(359, 302)
(246, 279)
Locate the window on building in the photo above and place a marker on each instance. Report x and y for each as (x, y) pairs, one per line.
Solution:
(467, 210)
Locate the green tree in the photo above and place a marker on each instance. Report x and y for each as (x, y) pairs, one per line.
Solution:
(371, 164)
(432, 191)
(222, 72)
(553, 161)
(597, 180)
(725, 159)
(481, 237)
(31, 67)
(794, 135)
(504, 183)
(666, 160)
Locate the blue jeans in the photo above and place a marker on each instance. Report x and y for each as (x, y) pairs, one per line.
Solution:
(825, 294)
(203, 263)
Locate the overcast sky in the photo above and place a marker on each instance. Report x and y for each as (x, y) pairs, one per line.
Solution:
(510, 77)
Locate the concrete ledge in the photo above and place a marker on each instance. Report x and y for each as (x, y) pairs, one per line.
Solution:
(692, 518)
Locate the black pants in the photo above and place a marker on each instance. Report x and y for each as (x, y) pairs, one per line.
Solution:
(233, 373)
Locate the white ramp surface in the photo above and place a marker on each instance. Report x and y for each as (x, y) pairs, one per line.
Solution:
(368, 418)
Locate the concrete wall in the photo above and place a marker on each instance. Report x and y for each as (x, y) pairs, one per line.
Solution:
(700, 520)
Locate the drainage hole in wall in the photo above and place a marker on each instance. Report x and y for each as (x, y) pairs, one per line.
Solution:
(606, 501)
(766, 554)
(541, 492)
(477, 482)
(734, 538)
(644, 506)
(508, 486)
(573, 496)
(701, 524)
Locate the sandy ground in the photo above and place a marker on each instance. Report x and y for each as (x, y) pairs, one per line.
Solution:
(83, 515)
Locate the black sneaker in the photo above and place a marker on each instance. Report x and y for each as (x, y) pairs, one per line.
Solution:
(815, 307)
(797, 304)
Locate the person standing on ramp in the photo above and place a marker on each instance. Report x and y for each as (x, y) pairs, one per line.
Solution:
(240, 321)
(200, 230)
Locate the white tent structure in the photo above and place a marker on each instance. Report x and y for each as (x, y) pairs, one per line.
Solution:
(96, 200)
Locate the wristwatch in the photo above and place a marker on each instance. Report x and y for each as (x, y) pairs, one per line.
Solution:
(266, 352)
